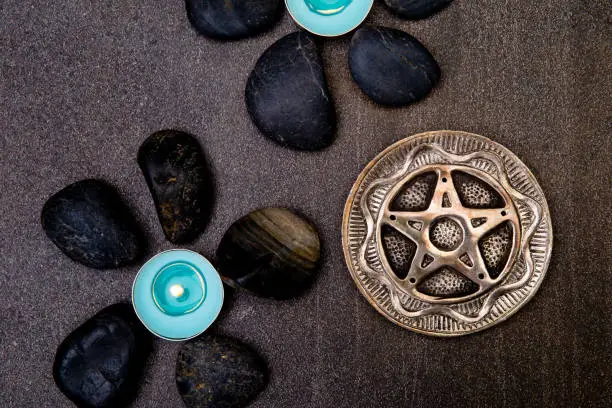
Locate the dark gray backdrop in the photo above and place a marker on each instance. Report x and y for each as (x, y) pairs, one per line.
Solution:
(83, 83)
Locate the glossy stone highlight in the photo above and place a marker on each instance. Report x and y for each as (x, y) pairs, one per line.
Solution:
(176, 172)
(233, 19)
(391, 67)
(100, 363)
(416, 9)
(217, 371)
(272, 252)
(90, 223)
(287, 95)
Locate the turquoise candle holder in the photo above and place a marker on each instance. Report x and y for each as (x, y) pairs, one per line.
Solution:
(329, 18)
(177, 294)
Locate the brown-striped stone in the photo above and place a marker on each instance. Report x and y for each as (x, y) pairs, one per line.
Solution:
(271, 251)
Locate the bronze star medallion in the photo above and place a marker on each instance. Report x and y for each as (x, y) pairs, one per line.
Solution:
(447, 233)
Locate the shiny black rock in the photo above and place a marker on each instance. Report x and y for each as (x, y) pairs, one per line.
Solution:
(219, 372)
(233, 19)
(287, 95)
(90, 223)
(177, 175)
(272, 252)
(416, 9)
(100, 363)
(392, 67)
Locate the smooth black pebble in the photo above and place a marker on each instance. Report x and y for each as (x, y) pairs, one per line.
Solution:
(176, 172)
(219, 372)
(416, 9)
(271, 252)
(101, 362)
(392, 67)
(90, 223)
(233, 19)
(287, 95)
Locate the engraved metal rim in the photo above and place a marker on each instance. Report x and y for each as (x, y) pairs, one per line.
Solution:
(351, 199)
(471, 235)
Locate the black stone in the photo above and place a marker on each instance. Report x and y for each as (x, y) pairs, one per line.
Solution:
(287, 95)
(391, 67)
(219, 372)
(233, 19)
(416, 9)
(272, 252)
(177, 175)
(101, 362)
(90, 223)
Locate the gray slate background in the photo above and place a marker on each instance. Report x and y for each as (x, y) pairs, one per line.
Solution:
(83, 83)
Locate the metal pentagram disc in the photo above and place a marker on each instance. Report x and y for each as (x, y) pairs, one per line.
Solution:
(447, 233)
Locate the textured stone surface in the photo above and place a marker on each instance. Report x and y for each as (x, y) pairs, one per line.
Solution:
(78, 95)
(416, 9)
(177, 175)
(391, 66)
(219, 372)
(233, 19)
(100, 363)
(271, 251)
(90, 223)
(287, 95)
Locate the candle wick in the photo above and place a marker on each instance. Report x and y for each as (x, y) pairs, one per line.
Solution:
(177, 290)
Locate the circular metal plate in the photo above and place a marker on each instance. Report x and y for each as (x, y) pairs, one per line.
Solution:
(447, 233)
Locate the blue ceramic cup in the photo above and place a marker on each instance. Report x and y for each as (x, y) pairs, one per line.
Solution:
(329, 18)
(177, 294)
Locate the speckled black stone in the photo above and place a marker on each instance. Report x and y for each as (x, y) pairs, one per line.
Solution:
(416, 9)
(272, 252)
(90, 223)
(392, 67)
(233, 19)
(287, 95)
(219, 372)
(176, 172)
(100, 363)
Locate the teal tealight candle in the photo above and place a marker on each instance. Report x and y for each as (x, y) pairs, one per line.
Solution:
(329, 18)
(177, 294)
